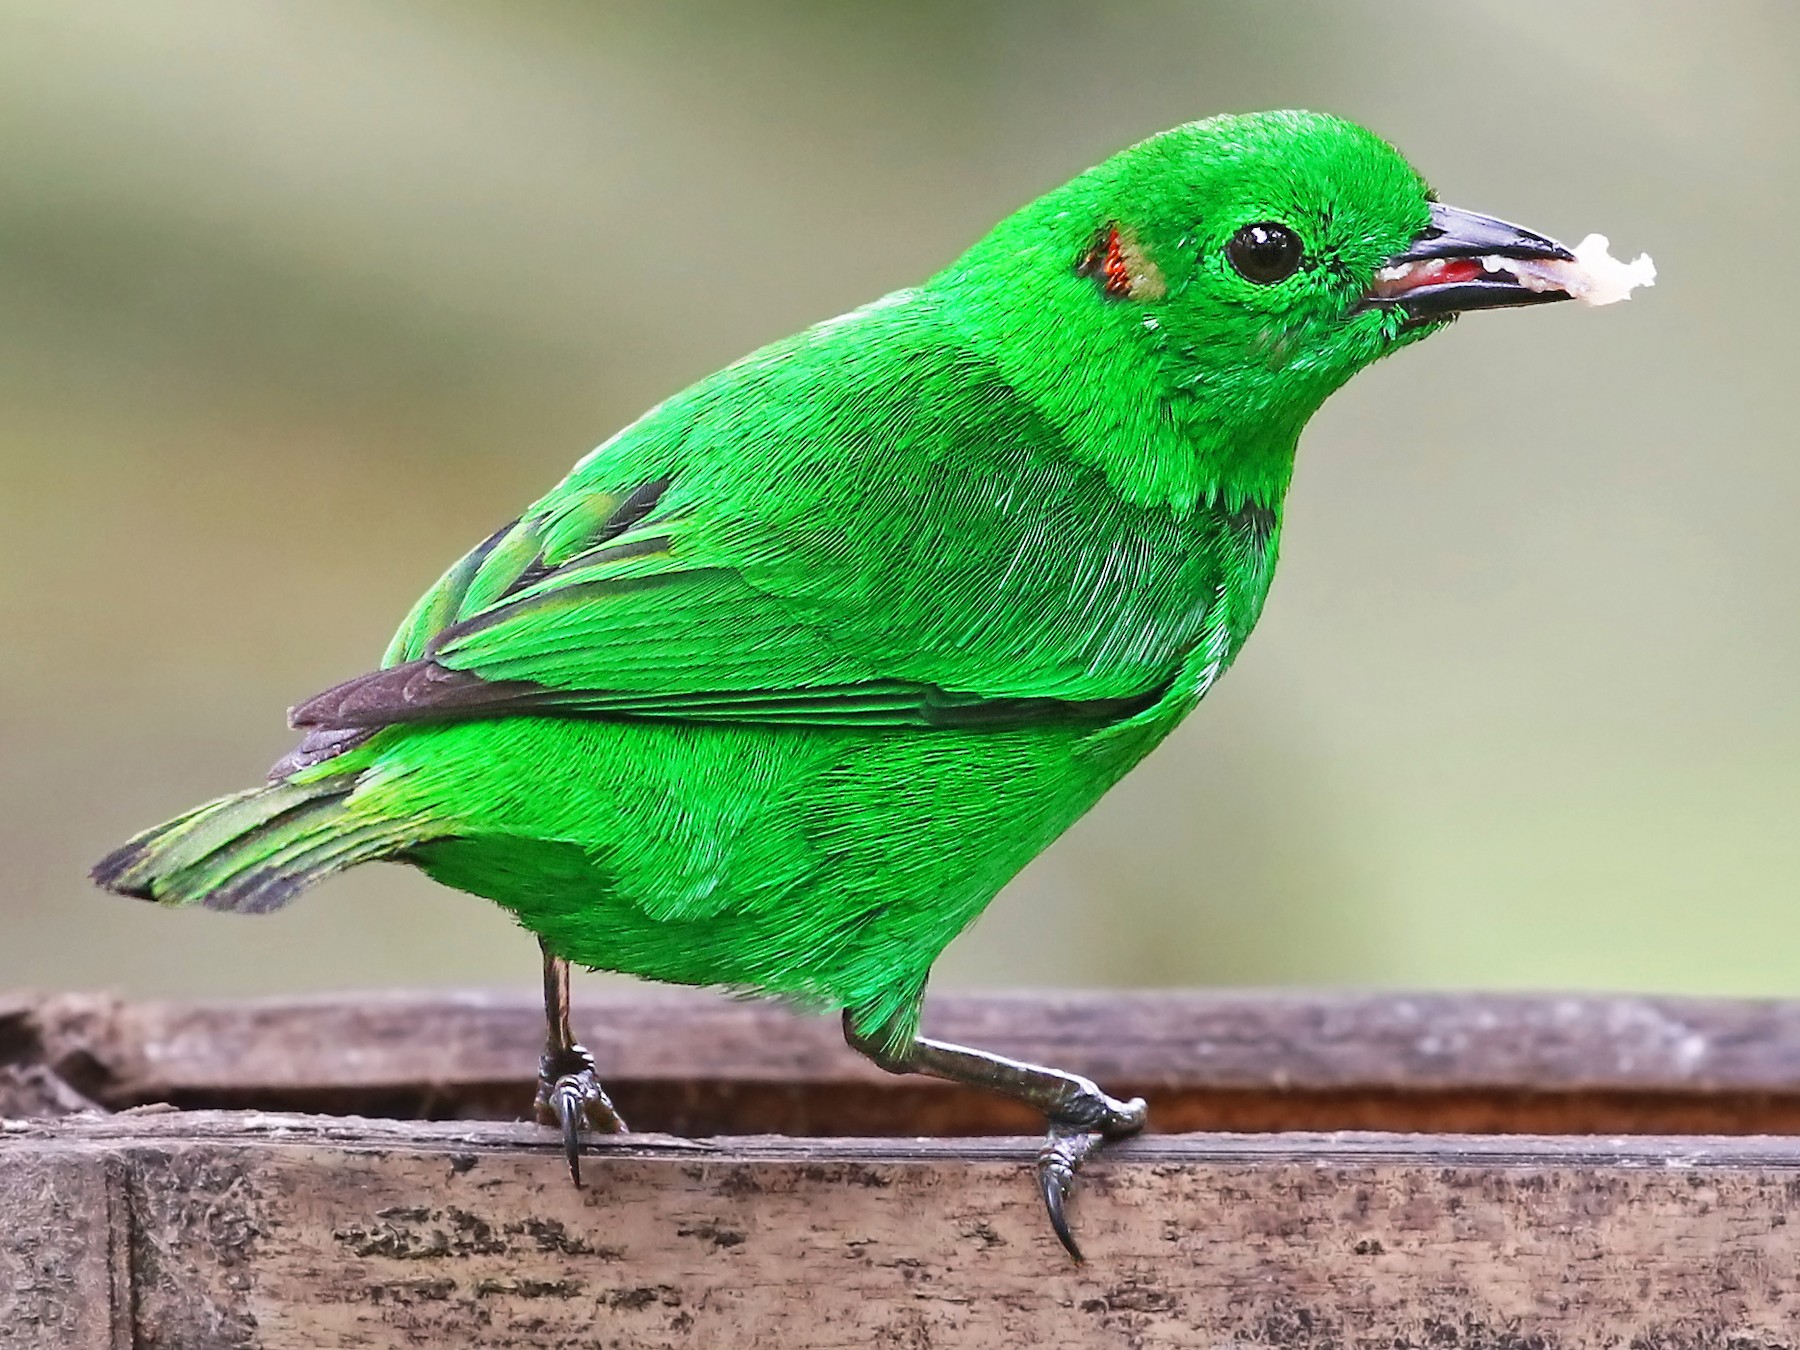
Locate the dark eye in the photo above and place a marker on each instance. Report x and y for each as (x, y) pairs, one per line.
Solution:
(1264, 253)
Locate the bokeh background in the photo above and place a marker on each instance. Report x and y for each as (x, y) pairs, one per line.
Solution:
(298, 299)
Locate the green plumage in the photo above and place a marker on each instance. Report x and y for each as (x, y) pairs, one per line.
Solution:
(785, 681)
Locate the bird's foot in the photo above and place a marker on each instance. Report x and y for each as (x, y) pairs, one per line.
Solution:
(1070, 1143)
(570, 1097)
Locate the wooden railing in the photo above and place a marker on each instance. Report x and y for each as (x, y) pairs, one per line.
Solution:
(1548, 1172)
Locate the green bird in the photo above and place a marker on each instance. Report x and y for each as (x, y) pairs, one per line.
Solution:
(781, 685)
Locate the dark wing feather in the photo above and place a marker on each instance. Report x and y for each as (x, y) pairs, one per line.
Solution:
(424, 691)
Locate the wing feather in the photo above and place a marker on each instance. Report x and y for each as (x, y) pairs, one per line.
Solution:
(891, 536)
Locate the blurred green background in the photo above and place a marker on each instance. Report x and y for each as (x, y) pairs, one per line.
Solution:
(299, 300)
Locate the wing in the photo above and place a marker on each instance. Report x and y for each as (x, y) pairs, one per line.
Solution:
(865, 525)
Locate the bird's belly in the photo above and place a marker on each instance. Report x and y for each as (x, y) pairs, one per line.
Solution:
(817, 863)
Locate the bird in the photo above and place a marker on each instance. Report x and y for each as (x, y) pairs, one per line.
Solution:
(780, 686)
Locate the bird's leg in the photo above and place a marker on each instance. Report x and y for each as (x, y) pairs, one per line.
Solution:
(1082, 1117)
(569, 1094)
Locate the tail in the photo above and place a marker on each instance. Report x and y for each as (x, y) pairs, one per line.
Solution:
(255, 851)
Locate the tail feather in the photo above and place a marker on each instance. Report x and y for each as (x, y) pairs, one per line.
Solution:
(252, 852)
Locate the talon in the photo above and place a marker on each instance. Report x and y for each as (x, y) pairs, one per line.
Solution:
(565, 1100)
(1082, 1118)
(570, 1097)
(1067, 1148)
(1056, 1175)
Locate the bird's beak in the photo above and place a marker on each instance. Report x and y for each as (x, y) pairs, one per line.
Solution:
(1463, 261)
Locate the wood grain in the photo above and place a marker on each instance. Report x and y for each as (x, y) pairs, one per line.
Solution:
(64, 1268)
(699, 1064)
(163, 1229)
(294, 1233)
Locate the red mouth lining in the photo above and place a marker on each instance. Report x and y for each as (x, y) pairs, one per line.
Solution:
(1434, 272)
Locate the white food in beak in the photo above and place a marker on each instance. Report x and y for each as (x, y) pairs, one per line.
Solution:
(1594, 278)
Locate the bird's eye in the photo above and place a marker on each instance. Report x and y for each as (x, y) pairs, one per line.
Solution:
(1264, 253)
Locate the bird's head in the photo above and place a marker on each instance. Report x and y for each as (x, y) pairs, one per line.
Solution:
(1232, 272)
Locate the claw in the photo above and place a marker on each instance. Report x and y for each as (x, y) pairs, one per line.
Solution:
(1082, 1117)
(570, 1097)
(1067, 1148)
(565, 1101)
(1057, 1162)
(1056, 1175)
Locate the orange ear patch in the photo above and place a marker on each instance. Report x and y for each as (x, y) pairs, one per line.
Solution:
(1121, 266)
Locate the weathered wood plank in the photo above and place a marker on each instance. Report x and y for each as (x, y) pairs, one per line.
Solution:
(64, 1277)
(696, 1063)
(1237, 1039)
(294, 1232)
